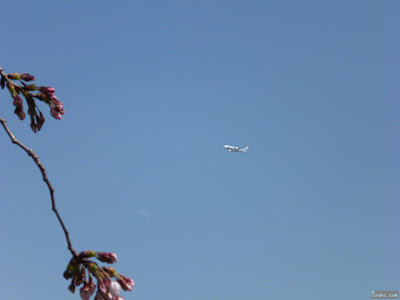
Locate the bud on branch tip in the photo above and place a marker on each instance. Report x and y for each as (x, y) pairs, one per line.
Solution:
(44, 93)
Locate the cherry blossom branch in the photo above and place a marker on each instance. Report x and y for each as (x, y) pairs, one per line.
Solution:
(31, 92)
(80, 269)
(45, 179)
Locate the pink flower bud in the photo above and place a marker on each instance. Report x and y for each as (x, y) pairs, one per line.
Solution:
(37, 122)
(84, 295)
(71, 287)
(47, 89)
(34, 127)
(87, 290)
(17, 101)
(27, 77)
(107, 257)
(103, 279)
(55, 113)
(103, 285)
(40, 121)
(127, 284)
(19, 112)
(56, 107)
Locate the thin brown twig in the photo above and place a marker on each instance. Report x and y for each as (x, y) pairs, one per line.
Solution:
(45, 179)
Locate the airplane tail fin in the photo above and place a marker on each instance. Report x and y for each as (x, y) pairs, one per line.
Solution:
(244, 149)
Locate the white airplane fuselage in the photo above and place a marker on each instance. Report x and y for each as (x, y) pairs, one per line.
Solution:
(236, 149)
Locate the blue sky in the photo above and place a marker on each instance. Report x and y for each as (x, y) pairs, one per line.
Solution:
(152, 91)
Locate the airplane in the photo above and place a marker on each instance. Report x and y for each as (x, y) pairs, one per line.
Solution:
(236, 149)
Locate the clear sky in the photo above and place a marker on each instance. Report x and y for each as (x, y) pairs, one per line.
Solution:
(152, 91)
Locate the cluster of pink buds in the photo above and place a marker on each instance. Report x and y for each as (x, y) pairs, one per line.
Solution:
(81, 270)
(29, 92)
